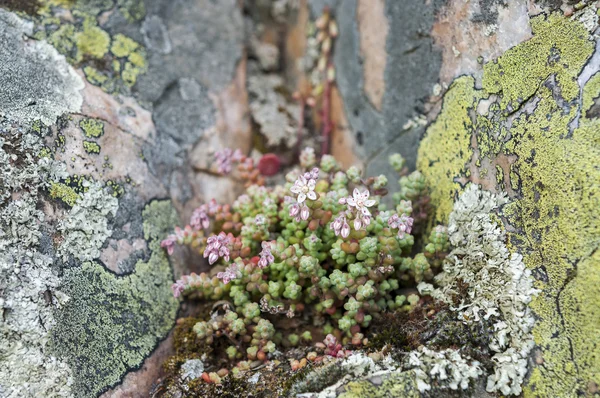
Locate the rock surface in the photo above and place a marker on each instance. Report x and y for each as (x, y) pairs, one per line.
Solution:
(111, 110)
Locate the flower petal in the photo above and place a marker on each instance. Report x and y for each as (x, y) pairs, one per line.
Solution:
(370, 202)
(357, 223)
(301, 197)
(365, 194)
(356, 194)
(312, 195)
(345, 230)
(304, 213)
(311, 184)
(295, 189)
(350, 201)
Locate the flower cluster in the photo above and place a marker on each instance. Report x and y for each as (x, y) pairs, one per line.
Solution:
(217, 246)
(266, 257)
(232, 272)
(332, 256)
(402, 223)
(304, 187)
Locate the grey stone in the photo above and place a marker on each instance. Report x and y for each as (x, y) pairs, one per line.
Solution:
(206, 40)
(412, 68)
(155, 34)
(37, 83)
(184, 111)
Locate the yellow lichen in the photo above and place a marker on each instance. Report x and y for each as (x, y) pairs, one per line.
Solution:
(92, 41)
(554, 220)
(64, 193)
(92, 128)
(91, 147)
(445, 149)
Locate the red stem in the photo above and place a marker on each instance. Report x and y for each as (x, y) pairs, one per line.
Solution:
(327, 125)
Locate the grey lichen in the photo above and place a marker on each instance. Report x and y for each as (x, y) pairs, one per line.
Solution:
(276, 117)
(192, 369)
(447, 369)
(86, 227)
(37, 82)
(499, 286)
(28, 282)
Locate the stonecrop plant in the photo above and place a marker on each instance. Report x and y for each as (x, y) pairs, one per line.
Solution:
(323, 249)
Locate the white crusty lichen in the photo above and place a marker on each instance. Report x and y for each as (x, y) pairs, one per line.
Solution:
(446, 369)
(500, 287)
(28, 282)
(85, 228)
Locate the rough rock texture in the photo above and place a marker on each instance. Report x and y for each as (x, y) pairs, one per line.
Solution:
(411, 68)
(103, 105)
(531, 131)
(111, 111)
(37, 83)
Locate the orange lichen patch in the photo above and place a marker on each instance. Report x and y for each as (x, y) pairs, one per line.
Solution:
(463, 41)
(373, 28)
(295, 48)
(343, 144)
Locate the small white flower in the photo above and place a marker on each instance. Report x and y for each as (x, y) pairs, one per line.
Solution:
(304, 189)
(361, 201)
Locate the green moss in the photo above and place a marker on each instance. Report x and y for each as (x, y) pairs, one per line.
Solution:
(116, 188)
(92, 128)
(554, 217)
(124, 47)
(37, 126)
(112, 63)
(64, 192)
(397, 385)
(130, 74)
(111, 323)
(92, 41)
(591, 92)
(93, 7)
(91, 147)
